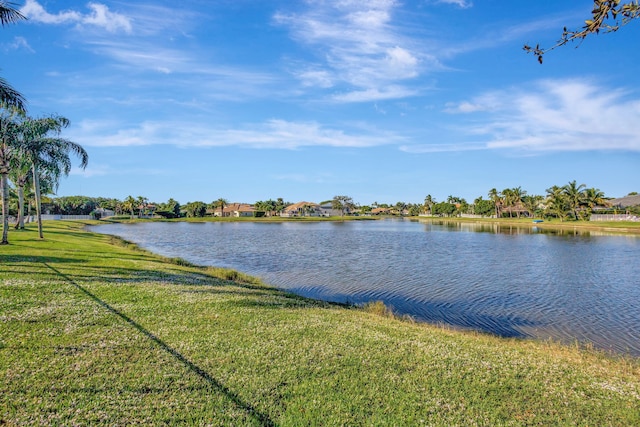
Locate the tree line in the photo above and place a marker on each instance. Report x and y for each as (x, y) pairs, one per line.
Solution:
(571, 201)
(33, 155)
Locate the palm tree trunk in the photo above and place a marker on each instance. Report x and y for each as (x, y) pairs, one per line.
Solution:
(36, 186)
(20, 220)
(4, 186)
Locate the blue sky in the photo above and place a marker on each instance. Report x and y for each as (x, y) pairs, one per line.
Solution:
(380, 100)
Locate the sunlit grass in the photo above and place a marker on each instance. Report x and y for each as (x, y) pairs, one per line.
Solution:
(94, 330)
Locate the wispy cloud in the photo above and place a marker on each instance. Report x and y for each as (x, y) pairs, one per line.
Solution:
(273, 134)
(98, 15)
(357, 46)
(557, 115)
(443, 148)
(18, 43)
(464, 4)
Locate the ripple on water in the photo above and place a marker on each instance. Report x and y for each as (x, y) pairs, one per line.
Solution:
(510, 282)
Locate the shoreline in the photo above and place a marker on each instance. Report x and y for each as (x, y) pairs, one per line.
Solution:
(562, 339)
(618, 227)
(96, 331)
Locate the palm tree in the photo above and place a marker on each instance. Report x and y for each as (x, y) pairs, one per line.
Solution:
(531, 204)
(9, 97)
(494, 196)
(280, 205)
(428, 203)
(20, 175)
(9, 135)
(556, 202)
(575, 197)
(508, 200)
(142, 205)
(129, 204)
(48, 152)
(594, 197)
(517, 194)
(9, 14)
(220, 203)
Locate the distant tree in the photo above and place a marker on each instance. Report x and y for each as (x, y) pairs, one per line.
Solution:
(415, 209)
(107, 203)
(444, 209)
(172, 206)
(428, 203)
(308, 209)
(343, 204)
(532, 204)
(462, 207)
(508, 200)
(517, 194)
(365, 209)
(129, 205)
(74, 205)
(142, 203)
(281, 205)
(575, 199)
(483, 207)
(219, 204)
(196, 209)
(556, 202)
(607, 16)
(593, 197)
(496, 198)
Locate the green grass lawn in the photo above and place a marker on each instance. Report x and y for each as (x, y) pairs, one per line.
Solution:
(94, 331)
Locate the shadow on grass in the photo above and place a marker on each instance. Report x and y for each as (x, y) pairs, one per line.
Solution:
(263, 419)
(36, 258)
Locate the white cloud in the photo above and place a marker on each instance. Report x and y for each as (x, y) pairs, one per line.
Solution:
(443, 148)
(357, 46)
(99, 16)
(18, 43)
(273, 134)
(317, 78)
(559, 115)
(463, 107)
(374, 94)
(464, 4)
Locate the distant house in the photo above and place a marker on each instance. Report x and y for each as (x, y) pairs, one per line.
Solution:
(326, 209)
(625, 202)
(233, 210)
(302, 209)
(244, 210)
(103, 213)
(380, 211)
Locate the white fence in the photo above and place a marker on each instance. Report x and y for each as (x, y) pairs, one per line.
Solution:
(62, 217)
(614, 217)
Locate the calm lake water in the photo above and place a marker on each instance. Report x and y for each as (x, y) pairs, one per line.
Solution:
(515, 282)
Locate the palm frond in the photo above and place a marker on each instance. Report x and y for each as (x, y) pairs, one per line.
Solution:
(9, 14)
(11, 98)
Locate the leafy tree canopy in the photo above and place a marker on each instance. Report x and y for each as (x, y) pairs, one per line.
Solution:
(607, 16)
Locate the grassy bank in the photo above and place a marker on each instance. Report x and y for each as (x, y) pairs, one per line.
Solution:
(93, 331)
(617, 227)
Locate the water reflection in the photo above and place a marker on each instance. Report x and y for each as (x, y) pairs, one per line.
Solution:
(514, 281)
(497, 228)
